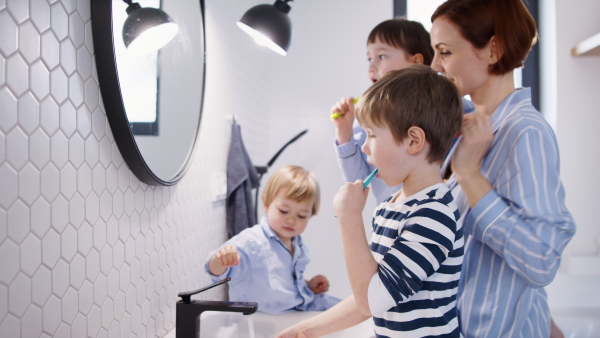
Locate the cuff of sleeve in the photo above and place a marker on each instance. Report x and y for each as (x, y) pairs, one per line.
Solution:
(484, 214)
(379, 298)
(347, 149)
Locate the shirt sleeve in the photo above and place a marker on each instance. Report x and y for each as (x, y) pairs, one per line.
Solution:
(426, 240)
(524, 218)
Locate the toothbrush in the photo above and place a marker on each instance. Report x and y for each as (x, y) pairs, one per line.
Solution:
(338, 114)
(367, 181)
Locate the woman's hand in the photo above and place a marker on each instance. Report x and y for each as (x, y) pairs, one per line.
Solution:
(318, 284)
(343, 123)
(476, 139)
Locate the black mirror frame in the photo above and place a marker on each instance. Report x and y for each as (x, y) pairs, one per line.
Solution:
(110, 90)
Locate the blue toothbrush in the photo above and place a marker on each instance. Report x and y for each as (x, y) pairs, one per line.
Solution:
(367, 181)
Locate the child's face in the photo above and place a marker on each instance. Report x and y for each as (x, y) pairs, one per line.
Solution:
(383, 58)
(386, 155)
(288, 218)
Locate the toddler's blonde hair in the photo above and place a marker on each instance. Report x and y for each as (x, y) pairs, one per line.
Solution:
(296, 184)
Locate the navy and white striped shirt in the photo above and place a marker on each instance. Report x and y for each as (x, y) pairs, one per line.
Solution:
(418, 245)
(515, 235)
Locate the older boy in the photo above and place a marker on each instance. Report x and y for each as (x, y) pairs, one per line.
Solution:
(407, 278)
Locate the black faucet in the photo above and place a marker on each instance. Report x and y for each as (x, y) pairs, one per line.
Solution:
(188, 310)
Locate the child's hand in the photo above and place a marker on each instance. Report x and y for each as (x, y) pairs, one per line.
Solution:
(318, 284)
(343, 123)
(350, 199)
(225, 257)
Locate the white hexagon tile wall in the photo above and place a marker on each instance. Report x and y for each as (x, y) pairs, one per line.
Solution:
(85, 248)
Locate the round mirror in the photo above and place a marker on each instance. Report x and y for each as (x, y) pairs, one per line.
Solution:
(153, 99)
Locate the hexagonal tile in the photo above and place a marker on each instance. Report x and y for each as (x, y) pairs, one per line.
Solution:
(118, 255)
(136, 320)
(40, 286)
(92, 208)
(9, 36)
(28, 109)
(9, 261)
(29, 41)
(100, 290)
(18, 9)
(50, 248)
(117, 158)
(91, 154)
(92, 266)
(3, 225)
(130, 250)
(68, 244)
(8, 102)
(59, 150)
(18, 222)
(99, 182)
(17, 75)
(76, 89)
(70, 5)
(3, 70)
(10, 327)
(68, 57)
(112, 180)
(92, 94)
(49, 115)
(17, 148)
(29, 184)
(84, 238)
(119, 306)
(89, 44)
(124, 277)
(106, 260)
(84, 121)
(77, 268)
(76, 150)
(59, 85)
(19, 295)
(76, 30)
(68, 118)
(71, 300)
(106, 208)
(98, 123)
(108, 315)
(63, 330)
(59, 21)
(125, 324)
(51, 314)
(60, 213)
(50, 182)
(94, 321)
(39, 149)
(40, 217)
(76, 210)
(112, 283)
(50, 49)
(3, 302)
(40, 14)
(79, 326)
(112, 231)
(31, 255)
(105, 152)
(84, 180)
(60, 278)
(40, 79)
(8, 186)
(86, 297)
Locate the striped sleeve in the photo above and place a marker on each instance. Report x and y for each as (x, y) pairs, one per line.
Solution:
(524, 218)
(423, 245)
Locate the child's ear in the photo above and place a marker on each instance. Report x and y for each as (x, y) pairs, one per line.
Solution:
(416, 140)
(418, 58)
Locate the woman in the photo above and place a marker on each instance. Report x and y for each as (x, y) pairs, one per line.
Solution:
(505, 171)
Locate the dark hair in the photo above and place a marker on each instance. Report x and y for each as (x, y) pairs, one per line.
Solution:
(415, 96)
(408, 35)
(508, 20)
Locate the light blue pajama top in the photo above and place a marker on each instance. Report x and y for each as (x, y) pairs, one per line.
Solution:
(269, 275)
(515, 235)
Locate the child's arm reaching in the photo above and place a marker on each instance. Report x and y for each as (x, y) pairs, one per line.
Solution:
(224, 258)
(318, 284)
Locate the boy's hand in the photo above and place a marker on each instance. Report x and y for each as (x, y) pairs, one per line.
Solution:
(350, 199)
(228, 256)
(318, 284)
(343, 123)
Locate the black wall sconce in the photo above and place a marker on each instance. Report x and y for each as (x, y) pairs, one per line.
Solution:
(147, 29)
(269, 25)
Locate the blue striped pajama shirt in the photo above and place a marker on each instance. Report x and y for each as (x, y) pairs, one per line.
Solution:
(515, 235)
(418, 245)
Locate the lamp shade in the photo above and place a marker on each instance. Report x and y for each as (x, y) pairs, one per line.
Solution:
(269, 25)
(147, 29)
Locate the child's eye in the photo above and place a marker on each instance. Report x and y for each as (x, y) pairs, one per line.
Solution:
(283, 211)
(382, 57)
(301, 216)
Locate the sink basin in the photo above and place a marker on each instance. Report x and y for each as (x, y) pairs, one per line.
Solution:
(236, 325)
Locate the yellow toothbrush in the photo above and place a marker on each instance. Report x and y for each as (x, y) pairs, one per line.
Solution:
(338, 114)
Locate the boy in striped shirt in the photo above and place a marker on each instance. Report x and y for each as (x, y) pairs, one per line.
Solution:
(407, 278)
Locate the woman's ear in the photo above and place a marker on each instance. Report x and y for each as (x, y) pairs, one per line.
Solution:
(415, 139)
(495, 53)
(418, 58)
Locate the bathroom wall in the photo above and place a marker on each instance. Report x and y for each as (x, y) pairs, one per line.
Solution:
(85, 248)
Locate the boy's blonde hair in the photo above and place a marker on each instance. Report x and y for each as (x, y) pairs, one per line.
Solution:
(415, 96)
(296, 184)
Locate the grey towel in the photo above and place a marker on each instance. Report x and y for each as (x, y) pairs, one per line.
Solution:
(241, 179)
